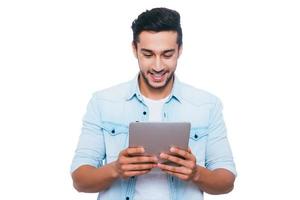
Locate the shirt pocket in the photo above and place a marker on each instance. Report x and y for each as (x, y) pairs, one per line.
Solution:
(197, 143)
(115, 136)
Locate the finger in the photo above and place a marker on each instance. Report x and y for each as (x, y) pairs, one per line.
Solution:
(184, 153)
(180, 170)
(141, 159)
(175, 159)
(138, 167)
(181, 176)
(132, 151)
(135, 173)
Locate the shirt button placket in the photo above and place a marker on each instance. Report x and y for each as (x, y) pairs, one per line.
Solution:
(145, 114)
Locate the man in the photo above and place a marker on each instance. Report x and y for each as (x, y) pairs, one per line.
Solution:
(103, 162)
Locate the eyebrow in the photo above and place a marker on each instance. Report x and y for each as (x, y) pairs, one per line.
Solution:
(150, 51)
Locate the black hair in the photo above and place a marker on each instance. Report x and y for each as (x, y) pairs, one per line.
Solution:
(157, 19)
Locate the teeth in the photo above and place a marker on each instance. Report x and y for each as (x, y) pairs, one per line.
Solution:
(158, 75)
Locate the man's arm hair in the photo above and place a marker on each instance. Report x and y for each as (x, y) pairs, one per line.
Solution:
(218, 181)
(91, 179)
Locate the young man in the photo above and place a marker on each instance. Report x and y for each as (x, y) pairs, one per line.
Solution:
(103, 162)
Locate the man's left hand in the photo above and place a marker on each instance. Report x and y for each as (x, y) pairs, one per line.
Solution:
(187, 164)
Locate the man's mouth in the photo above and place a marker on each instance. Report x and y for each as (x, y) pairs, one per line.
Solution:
(157, 77)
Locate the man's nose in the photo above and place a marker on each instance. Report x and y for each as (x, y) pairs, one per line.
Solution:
(158, 64)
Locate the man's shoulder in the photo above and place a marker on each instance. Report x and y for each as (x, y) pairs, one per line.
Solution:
(114, 93)
(197, 96)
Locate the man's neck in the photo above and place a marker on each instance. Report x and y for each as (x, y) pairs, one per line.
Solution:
(155, 93)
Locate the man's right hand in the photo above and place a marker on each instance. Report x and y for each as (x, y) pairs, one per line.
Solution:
(131, 162)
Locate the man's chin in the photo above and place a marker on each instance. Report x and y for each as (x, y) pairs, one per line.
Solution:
(158, 85)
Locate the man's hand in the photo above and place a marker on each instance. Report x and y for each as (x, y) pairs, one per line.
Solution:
(187, 164)
(131, 162)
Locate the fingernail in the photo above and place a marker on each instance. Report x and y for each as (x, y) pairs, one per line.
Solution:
(172, 149)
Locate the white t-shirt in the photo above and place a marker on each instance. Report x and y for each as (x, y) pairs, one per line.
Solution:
(148, 185)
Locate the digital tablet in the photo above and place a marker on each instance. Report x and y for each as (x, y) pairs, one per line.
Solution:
(157, 137)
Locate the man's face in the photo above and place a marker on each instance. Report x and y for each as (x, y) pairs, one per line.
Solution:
(157, 54)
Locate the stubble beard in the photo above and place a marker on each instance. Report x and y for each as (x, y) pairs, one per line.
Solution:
(171, 77)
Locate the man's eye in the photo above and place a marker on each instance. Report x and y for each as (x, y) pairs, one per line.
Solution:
(168, 55)
(148, 55)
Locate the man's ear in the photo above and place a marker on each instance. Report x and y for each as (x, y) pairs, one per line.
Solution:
(179, 50)
(134, 49)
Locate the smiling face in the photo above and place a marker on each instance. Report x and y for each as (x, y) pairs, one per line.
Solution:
(157, 54)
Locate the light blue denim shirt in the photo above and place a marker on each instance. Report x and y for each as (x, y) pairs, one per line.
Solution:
(105, 133)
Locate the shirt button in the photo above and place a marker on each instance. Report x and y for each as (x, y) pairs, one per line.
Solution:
(127, 198)
(196, 136)
(144, 113)
(113, 131)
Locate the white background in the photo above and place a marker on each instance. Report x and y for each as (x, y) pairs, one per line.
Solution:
(55, 54)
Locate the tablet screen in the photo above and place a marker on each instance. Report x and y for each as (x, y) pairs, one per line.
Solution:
(157, 137)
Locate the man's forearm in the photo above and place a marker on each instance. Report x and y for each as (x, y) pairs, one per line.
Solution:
(90, 179)
(219, 181)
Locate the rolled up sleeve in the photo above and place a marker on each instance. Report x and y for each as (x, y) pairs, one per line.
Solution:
(218, 151)
(91, 148)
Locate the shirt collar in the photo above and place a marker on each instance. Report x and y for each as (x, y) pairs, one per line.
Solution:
(134, 90)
